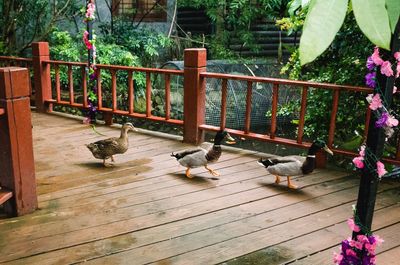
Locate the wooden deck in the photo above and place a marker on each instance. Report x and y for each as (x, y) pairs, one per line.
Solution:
(145, 211)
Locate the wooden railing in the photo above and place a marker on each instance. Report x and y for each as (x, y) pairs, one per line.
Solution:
(304, 86)
(7, 61)
(17, 181)
(194, 98)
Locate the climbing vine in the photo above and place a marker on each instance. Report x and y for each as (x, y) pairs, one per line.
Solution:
(89, 40)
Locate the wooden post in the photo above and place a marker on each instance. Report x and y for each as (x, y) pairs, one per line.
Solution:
(40, 52)
(375, 144)
(195, 61)
(17, 171)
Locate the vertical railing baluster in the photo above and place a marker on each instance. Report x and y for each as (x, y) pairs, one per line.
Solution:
(71, 85)
(84, 86)
(99, 94)
(114, 89)
(300, 129)
(248, 106)
(332, 123)
(223, 103)
(274, 110)
(398, 149)
(148, 94)
(58, 89)
(131, 98)
(167, 96)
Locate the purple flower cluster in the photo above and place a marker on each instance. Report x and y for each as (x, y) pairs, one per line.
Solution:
(370, 78)
(358, 252)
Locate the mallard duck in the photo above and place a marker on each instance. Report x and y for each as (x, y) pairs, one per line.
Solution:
(290, 166)
(200, 157)
(106, 148)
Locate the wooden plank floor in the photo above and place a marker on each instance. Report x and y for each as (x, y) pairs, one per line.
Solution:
(145, 211)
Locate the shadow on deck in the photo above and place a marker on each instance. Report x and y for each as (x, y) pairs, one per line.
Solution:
(145, 211)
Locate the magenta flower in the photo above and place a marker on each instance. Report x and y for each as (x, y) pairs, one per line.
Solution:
(380, 169)
(381, 122)
(392, 121)
(337, 258)
(362, 151)
(353, 226)
(358, 162)
(370, 63)
(370, 79)
(375, 101)
(376, 58)
(386, 68)
(397, 56)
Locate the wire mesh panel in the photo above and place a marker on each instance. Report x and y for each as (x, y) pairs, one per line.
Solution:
(236, 96)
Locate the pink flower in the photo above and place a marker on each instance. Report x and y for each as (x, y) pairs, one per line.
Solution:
(362, 238)
(375, 101)
(362, 151)
(370, 247)
(386, 68)
(397, 56)
(359, 245)
(380, 169)
(337, 258)
(379, 240)
(353, 226)
(394, 87)
(86, 120)
(358, 162)
(376, 58)
(350, 252)
(398, 69)
(392, 121)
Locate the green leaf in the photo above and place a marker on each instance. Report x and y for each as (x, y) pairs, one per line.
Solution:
(393, 9)
(373, 20)
(293, 6)
(323, 21)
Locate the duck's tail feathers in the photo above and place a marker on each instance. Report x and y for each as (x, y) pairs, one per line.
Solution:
(174, 155)
(265, 162)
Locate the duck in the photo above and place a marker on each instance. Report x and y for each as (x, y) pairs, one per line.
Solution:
(200, 157)
(107, 148)
(291, 166)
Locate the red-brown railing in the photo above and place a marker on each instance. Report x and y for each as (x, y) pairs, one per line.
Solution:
(276, 83)
(195, 77)
(6, 61)
(113, 69)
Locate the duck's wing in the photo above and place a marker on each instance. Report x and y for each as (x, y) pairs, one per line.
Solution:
(192, 158)
(107, 143)
(182, 154)
(266, 162)
(285, 167)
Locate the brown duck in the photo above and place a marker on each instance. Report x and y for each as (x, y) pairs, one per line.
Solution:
(200, 157)
(106, 148)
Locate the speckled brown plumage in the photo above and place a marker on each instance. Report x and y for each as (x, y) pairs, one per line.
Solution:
(106, 148)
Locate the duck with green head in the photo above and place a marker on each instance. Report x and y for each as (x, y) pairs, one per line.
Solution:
(200, 157)
(290, 166)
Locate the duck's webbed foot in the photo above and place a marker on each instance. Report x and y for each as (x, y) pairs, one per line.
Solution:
(277, 179)
(188, 173)
(212, 172)
(290, 185)
(107, 164)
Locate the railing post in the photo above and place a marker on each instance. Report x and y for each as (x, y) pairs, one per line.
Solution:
(17, 171)
(195, 61)
(40, 52)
